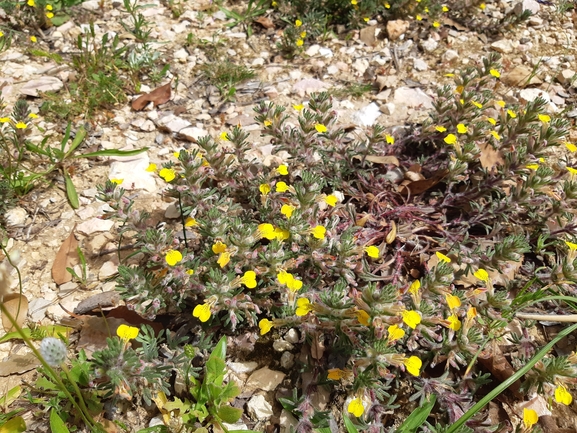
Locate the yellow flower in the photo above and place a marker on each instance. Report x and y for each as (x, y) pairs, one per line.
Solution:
(218, 247)
(532, 166)
(395, 333)
(287, 210)
(482, 6)
(414, 287)
(372, 251)
(356, 405)
(282, 169)
(223, 259)
(363, 317)
(413, 365)
(511, 113)
(117, 181)
(544, 118)
(267, 123)
(353, 2)
(387, 6)
(450, 139)
(298, 107)
(495, 73)
(572, 170)
(501, 104)
(168, 174)
(477, 104)
(454, 322)
(264, 188)
(319, 232)
(572, 246)
(172, 257)
(390, 139)
(281, 186)
(530, 418)
(48, 7)
(274, 4)
(151, 167)
(495, 135)
(176, 154)
(453, 301)
(570, 146)
(224, 136)
(304, 306)
(418, 17)
(303, 35)
(33, 116)
(190, 222)
(4, 119)
(298, 23)
(31, 3)
(190, 271)
(249, 279)
(281, 234)
(336, 374)
(293, 284)
(440, 128)
(265, 326)
(445, 8)
(266, 230)
(471, 313)
(331, 200)
(411, 318)
(320, 128)
(443, 257)
(436, 24)
(482, 274)
(299, 42)
(21, 125)
(283, 276)
(563, 396)
(49, 15)
(127, 332)
(202, 311)
(33, 39)
(491, 121)
(1, 33)
(462, 129)
(450, 75)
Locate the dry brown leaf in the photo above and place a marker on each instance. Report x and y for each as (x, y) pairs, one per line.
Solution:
(317, 347)
(379, 159)
(17, 306)
(266, 22)
(420, 186)
(490, 157)
(66, 257)
(493, 360)
(392, 234)
(158, 96)
(368, 35)
(449, 22)
(18, 364)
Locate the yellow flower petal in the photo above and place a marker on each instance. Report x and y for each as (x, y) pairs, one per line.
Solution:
(453, 301)
(443, 257)
(281, 186)
(572, 170)
(224, 136)
(495, 73)
(482, 274)
(511, 114)
(356, 407)
(190, 222)
(572, 246)
(413, 365)
(372, 251)
(563, 396)
(462, 129)
(21, 125)
(249, 279)
(265, 326)
(172, 257)
(571, 147)
(267, 123)
(298, 23)
(168, 174)
(223, 259)
(414, 287)
(320, 128)
(440, 128)
(293, 284)
(532, 166)
(331, 200)
(282, 169)
(363, 317)
(202, 311)
(395, 333)
(281, 234)
(530, 418)
(218, 247)
(544, 118)
(298, 107)
(319, 232)
(491, 121)
(266, 230)
(33, 39)
(287, 210)
(336, 374)
(264, 188)
(454, 322)
(304, 306)
(390, 139)
(450, 139)
(411, 318)
(117, 181)
(495, 135)
(151, 167)
(127, 332)
(436, 24)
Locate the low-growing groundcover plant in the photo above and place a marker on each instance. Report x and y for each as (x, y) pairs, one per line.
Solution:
(400, 257)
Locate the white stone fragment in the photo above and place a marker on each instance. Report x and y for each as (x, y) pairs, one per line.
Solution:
(258, 408)
(265, 379)
(366, 116)
(94, 225)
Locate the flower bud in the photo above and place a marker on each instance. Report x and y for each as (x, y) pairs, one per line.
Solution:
(53, 350)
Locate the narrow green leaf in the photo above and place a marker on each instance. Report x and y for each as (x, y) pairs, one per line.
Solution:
(418, 416)
(78, 139)
(56, 423)
(15, 425)
(71, 191)
(349, 425)
(111, 152)
(10, 396)
(66, 137)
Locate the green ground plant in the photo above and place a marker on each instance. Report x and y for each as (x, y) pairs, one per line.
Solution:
(393, 278)
(225, 76)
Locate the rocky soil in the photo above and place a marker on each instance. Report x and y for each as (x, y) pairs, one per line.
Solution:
(405, 61)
